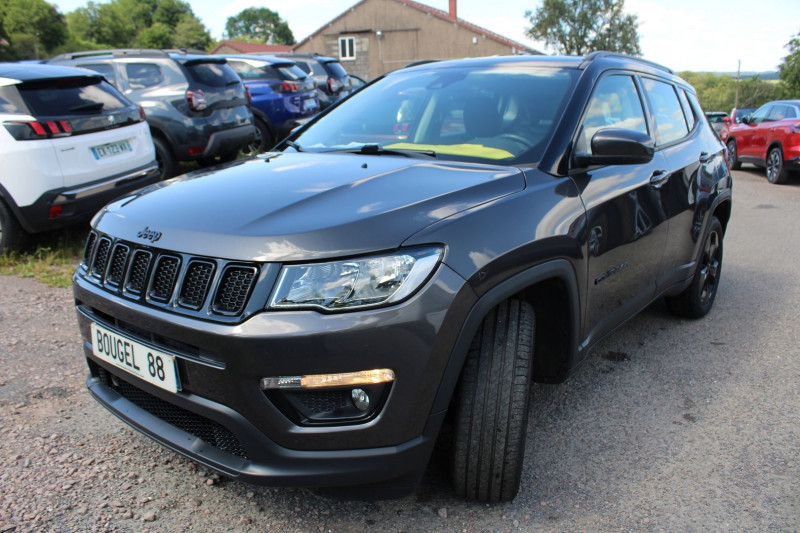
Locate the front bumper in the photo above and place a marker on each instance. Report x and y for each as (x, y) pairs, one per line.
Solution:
(222, 419)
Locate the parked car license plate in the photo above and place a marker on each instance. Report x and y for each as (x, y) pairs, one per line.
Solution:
(151, 365)
(111, 149)
(310, 104)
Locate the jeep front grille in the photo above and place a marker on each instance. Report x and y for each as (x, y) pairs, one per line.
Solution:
(200, 286)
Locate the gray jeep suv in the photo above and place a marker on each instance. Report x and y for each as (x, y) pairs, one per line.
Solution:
(196, 106)
(416, 256)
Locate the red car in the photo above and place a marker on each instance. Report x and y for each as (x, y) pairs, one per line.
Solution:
(768, 138)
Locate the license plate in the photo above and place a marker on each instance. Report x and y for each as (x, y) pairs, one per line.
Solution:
(151, 365)
(111, 149)
(310, 103)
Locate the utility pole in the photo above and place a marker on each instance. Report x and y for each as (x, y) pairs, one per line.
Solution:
(738, 72)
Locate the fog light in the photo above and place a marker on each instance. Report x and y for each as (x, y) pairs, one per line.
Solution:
(360, 399)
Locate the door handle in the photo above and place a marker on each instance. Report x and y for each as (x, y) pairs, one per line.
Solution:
(659, 178)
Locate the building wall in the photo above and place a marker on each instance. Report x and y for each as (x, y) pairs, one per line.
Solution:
(406, 34)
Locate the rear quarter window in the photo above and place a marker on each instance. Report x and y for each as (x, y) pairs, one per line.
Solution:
(212, 74)
(143, 75)
(71, 96)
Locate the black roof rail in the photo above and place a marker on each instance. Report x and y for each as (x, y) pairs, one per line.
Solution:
(591, 56)
(420, 62)
(115, 52)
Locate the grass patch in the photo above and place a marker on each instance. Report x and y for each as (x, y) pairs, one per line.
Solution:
(50, 258)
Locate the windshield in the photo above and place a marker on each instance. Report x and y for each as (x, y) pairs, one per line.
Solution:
(494, 114)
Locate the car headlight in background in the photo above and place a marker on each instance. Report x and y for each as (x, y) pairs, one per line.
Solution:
(355, 283)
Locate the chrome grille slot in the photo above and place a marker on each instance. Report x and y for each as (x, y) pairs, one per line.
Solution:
(119, 260)
(195, 284)
(165, 275)
(101, 258)
(137, 275)
(89, 248)
(233, 290)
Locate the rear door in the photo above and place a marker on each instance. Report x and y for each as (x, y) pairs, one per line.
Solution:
(693, 156)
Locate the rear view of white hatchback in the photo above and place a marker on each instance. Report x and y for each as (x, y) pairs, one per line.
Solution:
(69, 144)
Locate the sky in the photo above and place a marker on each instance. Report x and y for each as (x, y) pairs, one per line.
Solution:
(693, 35)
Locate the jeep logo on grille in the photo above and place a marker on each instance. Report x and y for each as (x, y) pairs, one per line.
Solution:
(149, 234)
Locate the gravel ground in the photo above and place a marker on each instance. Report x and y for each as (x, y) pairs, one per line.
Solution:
(672, 425)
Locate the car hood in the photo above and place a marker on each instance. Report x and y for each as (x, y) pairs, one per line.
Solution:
(303, 206)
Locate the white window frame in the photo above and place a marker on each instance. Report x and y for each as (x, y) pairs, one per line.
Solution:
(349, 46)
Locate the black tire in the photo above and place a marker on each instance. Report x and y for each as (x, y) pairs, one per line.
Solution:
(12, 236)
(696, 301)
(733, 163)
(492, 405)
(166, 159)
(263, 141)
(776, 171)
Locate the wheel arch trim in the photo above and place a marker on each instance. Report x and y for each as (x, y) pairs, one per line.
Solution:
(560, 269)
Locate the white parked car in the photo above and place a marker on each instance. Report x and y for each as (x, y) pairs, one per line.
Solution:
(69, 144)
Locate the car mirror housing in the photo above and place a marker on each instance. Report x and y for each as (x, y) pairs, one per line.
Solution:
(613, 146)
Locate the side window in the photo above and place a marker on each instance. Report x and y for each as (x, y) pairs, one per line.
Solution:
(615, 103)
(347, 48)
(668, 118)
(105, 69)
(760, 115)
(791, 112)
(778, 112)
(688, 112)
(143, 75)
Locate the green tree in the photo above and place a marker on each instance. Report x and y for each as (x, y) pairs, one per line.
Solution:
(136, 23)
(33, 27)
(170, 12)
(159, 35)
(261, 24)
(789, 69)
(577, 27)
(190, 33)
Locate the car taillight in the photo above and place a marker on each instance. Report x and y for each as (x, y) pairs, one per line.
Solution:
(32, 130)
(334, 85)
(196, 99)
(249, 96)
(141, 113)
(285, 87)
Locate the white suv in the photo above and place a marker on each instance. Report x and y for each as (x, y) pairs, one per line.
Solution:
(69, 144)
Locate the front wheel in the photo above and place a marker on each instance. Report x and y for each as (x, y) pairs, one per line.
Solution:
(696, 301)
(492, 405)
(776, 173)
(733, 163)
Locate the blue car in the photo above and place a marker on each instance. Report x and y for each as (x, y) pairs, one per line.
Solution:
(283, 96)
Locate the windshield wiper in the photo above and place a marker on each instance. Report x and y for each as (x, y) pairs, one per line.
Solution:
(376, 149)
(294, 145)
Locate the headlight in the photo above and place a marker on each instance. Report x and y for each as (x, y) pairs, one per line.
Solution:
(356, 283)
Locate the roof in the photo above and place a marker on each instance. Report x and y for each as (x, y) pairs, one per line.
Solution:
(438, 13)
(251, 48)
(22, 72)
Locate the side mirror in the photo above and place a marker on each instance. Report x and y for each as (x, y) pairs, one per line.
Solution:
(746, 119)
(613, 146)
